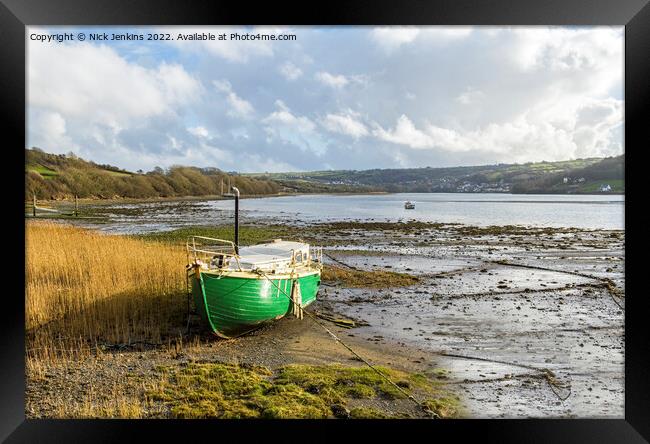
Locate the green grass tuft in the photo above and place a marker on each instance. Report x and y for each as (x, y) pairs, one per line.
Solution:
(215, 390)
(367, 279)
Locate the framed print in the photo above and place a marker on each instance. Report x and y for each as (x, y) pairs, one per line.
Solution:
(352, 214)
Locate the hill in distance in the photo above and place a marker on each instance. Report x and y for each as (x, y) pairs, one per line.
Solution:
(581, 176)
(62, 176)
(59, 176)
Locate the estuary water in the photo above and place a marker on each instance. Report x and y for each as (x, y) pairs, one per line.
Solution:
(480, 209)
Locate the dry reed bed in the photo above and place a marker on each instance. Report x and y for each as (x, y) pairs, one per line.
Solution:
(84, 288)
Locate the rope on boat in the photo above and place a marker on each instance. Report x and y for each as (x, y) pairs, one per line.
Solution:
(337, 339)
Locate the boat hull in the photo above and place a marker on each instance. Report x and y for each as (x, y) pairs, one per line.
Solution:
(232, 304)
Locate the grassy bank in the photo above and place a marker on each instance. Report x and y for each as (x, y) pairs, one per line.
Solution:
(294, 391)
(203, 390)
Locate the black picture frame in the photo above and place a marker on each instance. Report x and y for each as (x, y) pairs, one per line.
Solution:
(633, 14)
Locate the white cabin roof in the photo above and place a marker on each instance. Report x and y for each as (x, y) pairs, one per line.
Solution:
(278, 251)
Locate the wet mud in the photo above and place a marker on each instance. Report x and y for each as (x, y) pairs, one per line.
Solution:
(525, 329)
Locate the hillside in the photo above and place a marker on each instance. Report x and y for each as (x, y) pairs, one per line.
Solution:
(583, 176)
(589, 179)
(59, 176)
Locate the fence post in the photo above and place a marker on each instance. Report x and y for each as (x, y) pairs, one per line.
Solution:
(34, 205)
(76, 207)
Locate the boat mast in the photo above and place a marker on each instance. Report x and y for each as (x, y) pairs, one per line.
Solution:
(236, 193)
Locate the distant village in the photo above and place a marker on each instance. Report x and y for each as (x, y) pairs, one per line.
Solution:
(456, 185)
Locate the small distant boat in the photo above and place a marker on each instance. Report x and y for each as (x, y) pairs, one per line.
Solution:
(409, 205)
(236, 290)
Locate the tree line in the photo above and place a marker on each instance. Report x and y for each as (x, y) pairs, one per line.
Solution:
(52, 176)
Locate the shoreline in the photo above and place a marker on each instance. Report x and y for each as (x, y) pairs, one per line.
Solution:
(129, 200)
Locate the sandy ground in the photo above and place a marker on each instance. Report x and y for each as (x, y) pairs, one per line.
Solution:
(527, 324)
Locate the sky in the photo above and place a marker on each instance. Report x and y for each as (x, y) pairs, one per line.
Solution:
(332, 98)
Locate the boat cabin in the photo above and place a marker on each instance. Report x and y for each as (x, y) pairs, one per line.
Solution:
(278, 255)
(274, 257)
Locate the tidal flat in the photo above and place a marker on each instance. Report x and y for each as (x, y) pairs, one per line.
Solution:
(503, 321)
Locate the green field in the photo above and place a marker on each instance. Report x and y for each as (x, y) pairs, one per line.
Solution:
(45, 172)
(618, 186)
(118, 173)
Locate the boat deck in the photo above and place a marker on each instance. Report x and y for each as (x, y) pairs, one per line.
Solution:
(277, 256)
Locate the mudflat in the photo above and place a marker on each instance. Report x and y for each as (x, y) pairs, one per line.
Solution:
(516, 322)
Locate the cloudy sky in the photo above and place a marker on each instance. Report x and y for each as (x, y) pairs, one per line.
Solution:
(335, 98)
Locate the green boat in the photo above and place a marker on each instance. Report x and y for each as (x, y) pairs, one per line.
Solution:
(237, 290)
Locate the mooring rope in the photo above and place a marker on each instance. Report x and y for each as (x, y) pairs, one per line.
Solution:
(337, 339)
(187, 288)
(607, 283)
(545, 373)
(340, 262)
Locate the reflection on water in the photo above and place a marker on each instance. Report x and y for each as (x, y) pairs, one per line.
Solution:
(581, 211)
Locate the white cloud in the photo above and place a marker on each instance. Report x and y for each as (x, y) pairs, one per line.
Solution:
(290, 71)
(257, 163)
(199, 131)
(338, 81)
(283, 116)
(283, 125)
(470, 96)
(405, 133)
(392, 38)
(588, 130)
(238, 106)
(346, 123)
(50, 131)
(94, 83)
(332, 80)
(202, 154)
(82, 96)
(584, 56)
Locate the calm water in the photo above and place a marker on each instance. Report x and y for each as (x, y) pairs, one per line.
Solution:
(593, 211)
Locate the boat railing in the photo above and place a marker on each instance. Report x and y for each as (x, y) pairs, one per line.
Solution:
(202, 249)
(206, 248)
(316, 255)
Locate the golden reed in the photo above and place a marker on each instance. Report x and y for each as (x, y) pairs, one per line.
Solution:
(85, 288)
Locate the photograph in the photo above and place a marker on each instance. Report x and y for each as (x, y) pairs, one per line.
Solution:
(325, 222)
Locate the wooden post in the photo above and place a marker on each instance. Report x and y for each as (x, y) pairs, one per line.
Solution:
(34, 204)
(222, 186)
(76, 206)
